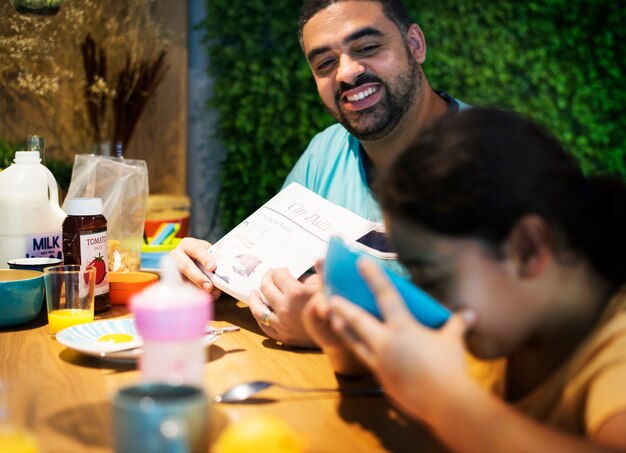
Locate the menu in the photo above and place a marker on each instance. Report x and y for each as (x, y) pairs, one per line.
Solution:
(291, 230)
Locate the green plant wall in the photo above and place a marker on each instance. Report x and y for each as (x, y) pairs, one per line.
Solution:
(559, 61)
(7, 152)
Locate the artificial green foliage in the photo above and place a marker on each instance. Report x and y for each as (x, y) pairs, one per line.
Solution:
(559, 61)
(61, 169)
(265, 96)
(7, 152)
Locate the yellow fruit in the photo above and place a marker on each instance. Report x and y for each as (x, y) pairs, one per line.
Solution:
(13, 440)
(260, 433)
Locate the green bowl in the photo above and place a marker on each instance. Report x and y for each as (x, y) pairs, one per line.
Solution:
(21, 296)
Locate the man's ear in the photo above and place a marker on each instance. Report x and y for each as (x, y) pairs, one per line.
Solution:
(417, 43)
(529, 246)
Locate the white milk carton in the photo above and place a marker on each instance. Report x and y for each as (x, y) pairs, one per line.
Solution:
(30, 216)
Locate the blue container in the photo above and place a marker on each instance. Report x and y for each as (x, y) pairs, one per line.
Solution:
(151, 254)
(21, 296)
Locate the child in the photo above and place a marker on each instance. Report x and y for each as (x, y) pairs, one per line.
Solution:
(497, 222)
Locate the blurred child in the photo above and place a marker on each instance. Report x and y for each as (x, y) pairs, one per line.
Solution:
(495, 220)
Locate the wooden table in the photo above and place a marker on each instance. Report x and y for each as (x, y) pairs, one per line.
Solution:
(68, 395)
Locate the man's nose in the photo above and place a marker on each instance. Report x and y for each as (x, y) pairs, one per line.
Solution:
(349, 69)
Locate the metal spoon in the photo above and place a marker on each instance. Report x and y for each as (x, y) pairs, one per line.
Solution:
(245, 390)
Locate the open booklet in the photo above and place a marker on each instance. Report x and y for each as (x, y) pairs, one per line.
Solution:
(291, 230)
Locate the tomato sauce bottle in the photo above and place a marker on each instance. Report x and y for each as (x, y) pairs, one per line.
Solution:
(85, 243)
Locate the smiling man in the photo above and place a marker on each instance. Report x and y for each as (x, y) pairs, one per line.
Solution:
(366, 57)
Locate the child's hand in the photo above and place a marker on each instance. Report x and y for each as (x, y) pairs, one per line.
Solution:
(415, 364)
(316, 320)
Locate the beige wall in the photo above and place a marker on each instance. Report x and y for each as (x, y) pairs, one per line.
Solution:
(161, 135)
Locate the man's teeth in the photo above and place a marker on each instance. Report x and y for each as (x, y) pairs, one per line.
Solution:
(362, 94)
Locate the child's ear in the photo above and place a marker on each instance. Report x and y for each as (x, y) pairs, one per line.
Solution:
(529, 246)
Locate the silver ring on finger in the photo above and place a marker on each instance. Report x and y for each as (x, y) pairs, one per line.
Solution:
(265, 317)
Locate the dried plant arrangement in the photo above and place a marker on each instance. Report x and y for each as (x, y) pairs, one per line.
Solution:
(30, 79)
(96, 89)
(60, 73)
(136, 82)
(114, 107)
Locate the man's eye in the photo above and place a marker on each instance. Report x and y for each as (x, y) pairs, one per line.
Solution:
(368, 49)
(324, 65)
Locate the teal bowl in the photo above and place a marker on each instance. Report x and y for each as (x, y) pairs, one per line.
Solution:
(21, 296)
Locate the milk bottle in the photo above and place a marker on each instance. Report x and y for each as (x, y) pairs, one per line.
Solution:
(30, 216)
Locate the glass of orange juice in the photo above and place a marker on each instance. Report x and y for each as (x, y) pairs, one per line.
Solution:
(69, 295)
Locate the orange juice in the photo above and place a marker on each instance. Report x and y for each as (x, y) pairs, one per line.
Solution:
(60, 319)
(13, 440)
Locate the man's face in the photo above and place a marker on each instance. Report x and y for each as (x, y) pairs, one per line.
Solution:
(365, 72)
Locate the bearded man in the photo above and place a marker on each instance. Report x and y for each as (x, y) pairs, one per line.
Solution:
(366, 57)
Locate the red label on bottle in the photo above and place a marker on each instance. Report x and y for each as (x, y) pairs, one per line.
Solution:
(93, 252)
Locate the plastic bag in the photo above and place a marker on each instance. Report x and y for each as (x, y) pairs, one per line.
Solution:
(123, 186)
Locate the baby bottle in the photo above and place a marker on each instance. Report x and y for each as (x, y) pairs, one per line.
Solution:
(171, 317)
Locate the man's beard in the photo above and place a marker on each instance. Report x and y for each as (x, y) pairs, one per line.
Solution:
(379, 120)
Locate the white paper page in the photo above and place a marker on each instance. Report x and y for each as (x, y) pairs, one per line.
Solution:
(291, 230)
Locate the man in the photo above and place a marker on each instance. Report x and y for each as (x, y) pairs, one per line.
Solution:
(366, 57)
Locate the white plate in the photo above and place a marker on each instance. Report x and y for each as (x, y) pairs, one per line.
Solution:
(84, 338)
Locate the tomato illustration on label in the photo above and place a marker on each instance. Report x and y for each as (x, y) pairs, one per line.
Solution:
(100, 266)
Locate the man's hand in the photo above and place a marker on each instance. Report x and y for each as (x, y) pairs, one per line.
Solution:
(286, 297)
(190, 254)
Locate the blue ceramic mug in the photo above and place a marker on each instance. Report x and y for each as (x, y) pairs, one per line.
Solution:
(161, 418)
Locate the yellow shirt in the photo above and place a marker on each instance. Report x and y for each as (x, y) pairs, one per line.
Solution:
(591, 386)
(490, 374)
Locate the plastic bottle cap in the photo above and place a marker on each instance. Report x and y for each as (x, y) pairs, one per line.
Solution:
(83, 206)
(27, 157)
(35, 143)
(171, 309)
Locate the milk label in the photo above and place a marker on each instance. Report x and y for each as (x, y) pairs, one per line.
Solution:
(44, 245)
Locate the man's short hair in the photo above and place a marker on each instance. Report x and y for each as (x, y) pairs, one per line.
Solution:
(393, 9)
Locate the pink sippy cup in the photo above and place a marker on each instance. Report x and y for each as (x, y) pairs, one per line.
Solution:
(171, 317)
